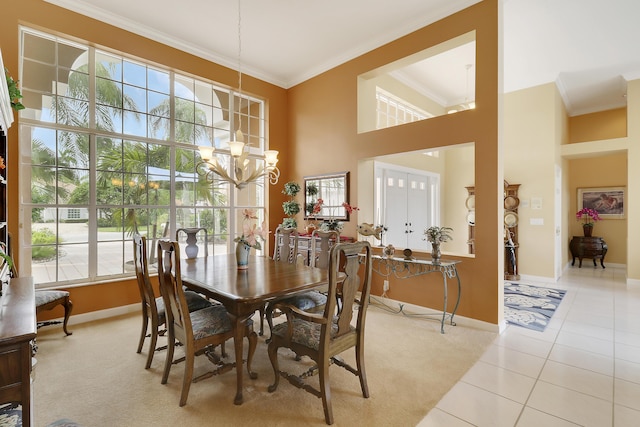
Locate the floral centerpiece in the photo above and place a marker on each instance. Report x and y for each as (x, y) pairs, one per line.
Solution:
(333, 224)
(435, 236)
(251, 237)
(588, 217)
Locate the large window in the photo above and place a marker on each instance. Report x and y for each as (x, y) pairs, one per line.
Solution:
(108, 146)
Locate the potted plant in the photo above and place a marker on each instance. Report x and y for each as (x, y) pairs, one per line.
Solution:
(588, 217)
(436, 236)
(312, 207)
(291, 207)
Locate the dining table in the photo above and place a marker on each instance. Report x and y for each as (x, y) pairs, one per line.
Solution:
(242, 292)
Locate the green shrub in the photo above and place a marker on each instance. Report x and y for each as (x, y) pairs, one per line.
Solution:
(43, 237)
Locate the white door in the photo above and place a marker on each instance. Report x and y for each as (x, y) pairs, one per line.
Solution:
(407, 200)
(418, 218)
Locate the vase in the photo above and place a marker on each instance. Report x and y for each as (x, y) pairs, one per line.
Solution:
(587, 229)
(242, 255)
(192, 245)
(310, 228)
(435, 252)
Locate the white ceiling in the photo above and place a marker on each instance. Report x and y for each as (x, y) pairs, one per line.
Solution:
(588, 47)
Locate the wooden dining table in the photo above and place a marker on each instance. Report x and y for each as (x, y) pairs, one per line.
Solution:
(244, 291)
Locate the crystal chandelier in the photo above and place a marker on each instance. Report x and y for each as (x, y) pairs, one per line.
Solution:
(242, 170)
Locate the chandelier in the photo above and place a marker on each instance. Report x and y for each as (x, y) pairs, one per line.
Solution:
(242, 169)
(466, 105)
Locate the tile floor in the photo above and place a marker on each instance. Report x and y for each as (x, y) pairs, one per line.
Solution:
(583, 370)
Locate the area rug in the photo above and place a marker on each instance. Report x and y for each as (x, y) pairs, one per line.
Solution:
(10, 416)
(530, 306)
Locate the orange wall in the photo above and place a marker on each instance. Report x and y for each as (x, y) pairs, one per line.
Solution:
(314, 127)
(324, 138)
(596, 126)
(41, 15)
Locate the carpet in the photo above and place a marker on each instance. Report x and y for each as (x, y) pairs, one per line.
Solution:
(530, 306)
(10, 416)
(96, 378)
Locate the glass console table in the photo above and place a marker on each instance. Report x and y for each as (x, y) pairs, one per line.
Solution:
(403, 268)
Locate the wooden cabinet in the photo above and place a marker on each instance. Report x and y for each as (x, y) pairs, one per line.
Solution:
(17, 331)
(588, 247)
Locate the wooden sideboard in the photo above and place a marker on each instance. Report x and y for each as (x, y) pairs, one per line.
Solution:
(588, 247)
(17, 332)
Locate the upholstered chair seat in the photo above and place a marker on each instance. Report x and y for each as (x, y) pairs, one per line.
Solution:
(48, 299)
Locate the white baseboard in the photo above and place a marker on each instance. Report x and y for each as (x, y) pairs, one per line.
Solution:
(76, 319)
(458, 320)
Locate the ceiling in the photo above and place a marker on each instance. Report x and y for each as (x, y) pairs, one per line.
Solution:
(584, 46)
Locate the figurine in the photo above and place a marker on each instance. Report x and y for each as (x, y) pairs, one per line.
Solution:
(369, 230)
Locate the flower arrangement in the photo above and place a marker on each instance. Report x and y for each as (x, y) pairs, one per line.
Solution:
(588, 216)
(438, 234)
(332, 224)
(251, 234)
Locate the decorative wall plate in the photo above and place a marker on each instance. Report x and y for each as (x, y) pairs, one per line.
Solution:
(471, 202)
(510, 219)
(471, 218)
(511, 202)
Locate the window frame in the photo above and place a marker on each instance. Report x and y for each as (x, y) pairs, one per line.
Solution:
(253, 125)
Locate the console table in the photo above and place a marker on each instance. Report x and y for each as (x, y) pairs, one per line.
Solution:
(588, 247)
(17, 331)
(403, 268)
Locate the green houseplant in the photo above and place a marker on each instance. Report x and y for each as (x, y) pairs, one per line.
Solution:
(14, 92)
(291, 207)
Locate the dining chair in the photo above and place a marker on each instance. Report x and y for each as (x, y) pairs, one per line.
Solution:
(320, 247)
(153, 308)
(286, 250)
(199, 331)
(323, 336)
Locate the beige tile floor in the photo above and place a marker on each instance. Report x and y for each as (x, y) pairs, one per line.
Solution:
(583, 370)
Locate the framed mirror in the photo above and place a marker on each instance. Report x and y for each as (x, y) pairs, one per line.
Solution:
(333, 189)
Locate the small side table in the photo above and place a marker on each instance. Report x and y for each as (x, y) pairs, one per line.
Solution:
(588, 247)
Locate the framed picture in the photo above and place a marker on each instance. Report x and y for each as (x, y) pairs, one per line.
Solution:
(607, 201)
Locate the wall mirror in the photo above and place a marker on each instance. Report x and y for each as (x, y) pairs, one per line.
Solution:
(436, 81)
(333, 189)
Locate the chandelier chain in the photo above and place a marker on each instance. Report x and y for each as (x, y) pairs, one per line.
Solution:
(239, 64)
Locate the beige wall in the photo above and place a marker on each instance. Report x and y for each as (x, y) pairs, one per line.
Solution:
(531, 138)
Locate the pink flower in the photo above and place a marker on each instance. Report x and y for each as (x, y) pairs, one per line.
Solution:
(588, 216)
(249, 214)
(251, 234)
(350, 209)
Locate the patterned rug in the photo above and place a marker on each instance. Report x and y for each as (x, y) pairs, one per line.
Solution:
(11, 416)
(530, 306)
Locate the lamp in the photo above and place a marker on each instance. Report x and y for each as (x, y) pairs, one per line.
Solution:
(242, 173)
(466, 105)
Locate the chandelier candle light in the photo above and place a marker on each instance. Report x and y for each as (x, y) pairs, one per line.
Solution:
(242, 173)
